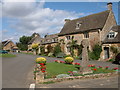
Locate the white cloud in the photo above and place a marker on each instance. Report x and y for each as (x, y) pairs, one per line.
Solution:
(33, 17)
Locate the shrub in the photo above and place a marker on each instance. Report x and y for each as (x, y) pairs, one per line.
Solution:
(114, 50)
(62, 75)
(42, 49)
(35, 46)
(69, 60)
(57, 49)
(41, 60)
(95, 54)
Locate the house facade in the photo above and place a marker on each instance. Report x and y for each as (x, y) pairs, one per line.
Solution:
(35, 40)
(93, 27)
(9, 46)
(112, 40)
(49, 42)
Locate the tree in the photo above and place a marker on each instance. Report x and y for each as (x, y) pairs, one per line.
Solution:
(35, 47)
(23, 42)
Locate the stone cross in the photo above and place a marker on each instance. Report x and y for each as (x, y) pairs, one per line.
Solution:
(84, 69)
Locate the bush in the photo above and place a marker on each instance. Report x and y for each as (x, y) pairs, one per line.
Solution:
(57, 49)
(41, 60)
(95, 54)
(69, 60)
(42, 49)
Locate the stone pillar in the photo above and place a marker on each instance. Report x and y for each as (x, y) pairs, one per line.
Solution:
(84, 69)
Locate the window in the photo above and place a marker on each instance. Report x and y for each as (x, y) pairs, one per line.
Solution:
(111, 35)
(68, 37)
(53, 40)
(78, 25)
(86, 35)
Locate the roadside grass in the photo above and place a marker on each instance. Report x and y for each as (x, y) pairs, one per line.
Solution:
(27, 53)
(54, 69)
(7, 55)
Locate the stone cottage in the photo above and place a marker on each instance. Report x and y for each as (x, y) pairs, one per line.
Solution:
(49, 42)
(35, 40)
(112, 40)
(94, 27)
(9, 46)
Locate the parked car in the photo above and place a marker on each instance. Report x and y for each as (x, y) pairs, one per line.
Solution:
(3, 52)
(117, 59)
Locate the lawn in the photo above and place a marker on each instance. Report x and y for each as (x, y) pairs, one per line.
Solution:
(54, 69)
(7, 55)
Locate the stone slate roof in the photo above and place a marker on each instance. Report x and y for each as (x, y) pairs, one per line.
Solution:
(4, 43)
(49, 39)
(90, 22)
(116, 39)
(37, 39)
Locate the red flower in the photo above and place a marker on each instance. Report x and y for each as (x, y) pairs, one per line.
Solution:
(89, 65)
(115, 68)
(42, 64)
(107, 67)
(43, 71)
(70, 72)
(94, 69)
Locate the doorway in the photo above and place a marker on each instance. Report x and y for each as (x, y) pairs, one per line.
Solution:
(106, 52)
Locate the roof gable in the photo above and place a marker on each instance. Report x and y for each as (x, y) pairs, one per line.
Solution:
(90, 22)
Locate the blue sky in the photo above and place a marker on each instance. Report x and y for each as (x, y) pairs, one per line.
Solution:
(45, 18)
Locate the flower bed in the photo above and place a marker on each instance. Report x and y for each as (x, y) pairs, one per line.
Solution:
(60, 70)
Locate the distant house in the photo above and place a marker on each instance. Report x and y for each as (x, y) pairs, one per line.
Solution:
(35, 40)
(112, 39)
(93, 27)
(49, 41)
(9, 46)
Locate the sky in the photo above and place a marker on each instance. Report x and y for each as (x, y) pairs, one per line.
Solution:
(25, 18)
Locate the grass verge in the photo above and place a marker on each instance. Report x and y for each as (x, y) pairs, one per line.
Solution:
(7, 55)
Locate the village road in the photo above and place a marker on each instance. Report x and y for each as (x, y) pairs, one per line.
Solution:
(17, 72)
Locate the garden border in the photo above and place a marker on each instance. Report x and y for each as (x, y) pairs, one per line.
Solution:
(93, 76)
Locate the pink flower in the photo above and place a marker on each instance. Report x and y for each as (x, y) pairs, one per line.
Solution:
(99, 66)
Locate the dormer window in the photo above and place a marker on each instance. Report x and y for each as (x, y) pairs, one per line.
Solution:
(111, 35)
(78, 24)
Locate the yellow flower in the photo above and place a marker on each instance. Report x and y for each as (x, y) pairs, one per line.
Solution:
(35, 45)
(69, 59)
(41, 60)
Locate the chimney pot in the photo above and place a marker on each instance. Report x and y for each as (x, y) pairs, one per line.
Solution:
(109, 5)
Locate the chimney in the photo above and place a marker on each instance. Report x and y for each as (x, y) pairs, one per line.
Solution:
(67, 20)
(109, 5)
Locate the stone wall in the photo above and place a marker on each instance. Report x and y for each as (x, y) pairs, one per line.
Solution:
(94, 38)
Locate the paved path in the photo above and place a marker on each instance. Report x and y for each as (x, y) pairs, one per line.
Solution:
(109, 82)
(18, 71)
